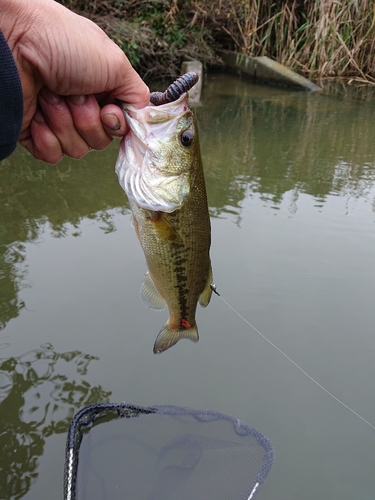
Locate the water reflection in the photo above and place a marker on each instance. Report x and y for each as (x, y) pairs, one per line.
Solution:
(37, 399)
(33, 195)
(279, 144)
(309, 278)
(282, 142)
(12, 279)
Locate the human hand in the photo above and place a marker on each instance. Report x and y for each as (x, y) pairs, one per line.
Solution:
(71, 75)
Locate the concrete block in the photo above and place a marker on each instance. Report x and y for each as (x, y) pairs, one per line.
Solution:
(195, 65)
(267, 70)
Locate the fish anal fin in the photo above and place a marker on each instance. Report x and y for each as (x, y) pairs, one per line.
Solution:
(150, 297)
(205, 296)
(168, 337)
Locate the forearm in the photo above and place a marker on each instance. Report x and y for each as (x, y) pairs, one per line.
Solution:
(11, 101)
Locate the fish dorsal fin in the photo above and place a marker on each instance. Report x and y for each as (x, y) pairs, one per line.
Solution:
(150, 297)
(205, 296)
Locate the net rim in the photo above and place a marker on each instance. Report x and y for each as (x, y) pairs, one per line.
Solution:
(123, 409)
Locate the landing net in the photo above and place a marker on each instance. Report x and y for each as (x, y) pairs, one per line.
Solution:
(162, 453)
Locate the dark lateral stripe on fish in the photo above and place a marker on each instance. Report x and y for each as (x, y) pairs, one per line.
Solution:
(183, 84)
(178, 259)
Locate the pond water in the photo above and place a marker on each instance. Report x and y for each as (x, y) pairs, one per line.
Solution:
(291, 189)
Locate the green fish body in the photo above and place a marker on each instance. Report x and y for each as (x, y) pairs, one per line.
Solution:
(160, 169)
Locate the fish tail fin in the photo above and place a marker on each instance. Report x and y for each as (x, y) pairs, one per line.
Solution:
(168, 337)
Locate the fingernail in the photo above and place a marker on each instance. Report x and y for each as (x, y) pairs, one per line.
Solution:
(49, 96)
(38, 117)
(77, 99)
(111, 121)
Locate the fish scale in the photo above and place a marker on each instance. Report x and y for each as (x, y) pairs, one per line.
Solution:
(160, 169)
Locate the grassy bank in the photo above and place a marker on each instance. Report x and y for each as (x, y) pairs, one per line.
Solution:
(318, 38)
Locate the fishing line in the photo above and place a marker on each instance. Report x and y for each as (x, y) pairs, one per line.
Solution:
(213, 287)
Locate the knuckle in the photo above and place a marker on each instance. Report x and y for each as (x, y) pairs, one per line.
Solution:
(77, 155)
(78, 152)
(48, 157)
(103, 144)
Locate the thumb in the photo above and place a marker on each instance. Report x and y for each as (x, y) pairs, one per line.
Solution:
(130, 86)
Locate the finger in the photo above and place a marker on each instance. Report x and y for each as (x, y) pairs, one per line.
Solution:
(59, 119)
(40, 141)
(113, 120)
(133, 89)
(85, 112)
(125, 84)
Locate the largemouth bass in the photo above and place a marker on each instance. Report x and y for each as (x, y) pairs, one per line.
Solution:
(160, 168)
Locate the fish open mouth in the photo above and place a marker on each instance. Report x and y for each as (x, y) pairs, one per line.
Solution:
(143, 163)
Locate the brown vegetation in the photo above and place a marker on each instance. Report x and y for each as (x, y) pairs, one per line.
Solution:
(320, 38)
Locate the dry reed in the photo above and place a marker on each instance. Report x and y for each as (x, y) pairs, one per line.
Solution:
(320, 38)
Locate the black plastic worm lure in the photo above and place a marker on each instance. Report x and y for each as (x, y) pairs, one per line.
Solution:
(183, 84)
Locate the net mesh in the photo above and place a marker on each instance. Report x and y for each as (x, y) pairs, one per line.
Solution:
(163, 453)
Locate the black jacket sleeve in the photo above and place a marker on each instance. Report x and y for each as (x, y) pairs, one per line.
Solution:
(11, 101)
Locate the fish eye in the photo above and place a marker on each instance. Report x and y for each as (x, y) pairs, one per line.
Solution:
(186, 138)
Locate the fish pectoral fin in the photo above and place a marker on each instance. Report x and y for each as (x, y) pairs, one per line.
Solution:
(205, 296)
(168, 337)
(165, 229)
(150, 297)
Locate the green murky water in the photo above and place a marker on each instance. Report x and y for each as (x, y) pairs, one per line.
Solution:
(291, 186)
